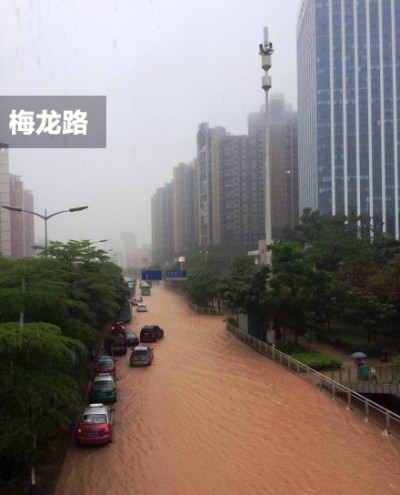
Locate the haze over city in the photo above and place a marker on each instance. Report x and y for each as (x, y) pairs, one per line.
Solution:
(164, 67)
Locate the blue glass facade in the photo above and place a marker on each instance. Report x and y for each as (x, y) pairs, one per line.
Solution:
(349, 85)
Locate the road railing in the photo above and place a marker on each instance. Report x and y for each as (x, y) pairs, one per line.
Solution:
(372, 412)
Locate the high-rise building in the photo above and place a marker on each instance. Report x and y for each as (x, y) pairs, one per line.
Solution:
(184, 203)
(21, 223)
(283, 163)
(5, 228)
(29, 224)
(234, 179)
(162, 225)
(208, 183)
(348, 54)
(256, 130)
(129, 247)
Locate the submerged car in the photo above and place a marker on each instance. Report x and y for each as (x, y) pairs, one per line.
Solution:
(118, 326)
(103, 389)
(95, 425)
(136, 300)
(105, 364)
(141, 307)
(132, 339)
(151, 333)
(115, 344)
(141, 356)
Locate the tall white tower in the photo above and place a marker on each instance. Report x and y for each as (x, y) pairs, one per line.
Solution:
(266, 51)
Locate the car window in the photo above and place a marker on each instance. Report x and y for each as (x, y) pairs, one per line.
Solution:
(105, 361)
(100, 384)
(94, 419)
(140, 352)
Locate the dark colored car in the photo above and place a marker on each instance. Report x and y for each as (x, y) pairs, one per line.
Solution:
(118, 326)
(105, 364)
(95, 425)
(151, 333)
(115, 344)
(103, 389)
(132, 339)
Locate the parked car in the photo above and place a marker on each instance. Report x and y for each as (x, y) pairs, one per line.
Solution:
(132, 339)
(136, 300)
(103, 389)
(141, 307)
(141, 355)
(95, 425)
(118, 326)
(115, 344)
(105, 364)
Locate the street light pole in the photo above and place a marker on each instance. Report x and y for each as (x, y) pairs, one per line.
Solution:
(45, 217)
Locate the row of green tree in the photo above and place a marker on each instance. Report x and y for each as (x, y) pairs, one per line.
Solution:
(52, 309)
(335, 267)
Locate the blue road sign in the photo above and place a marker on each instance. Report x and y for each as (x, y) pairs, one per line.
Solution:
(151, 274)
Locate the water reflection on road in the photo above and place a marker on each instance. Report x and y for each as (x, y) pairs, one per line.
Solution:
(212, 417)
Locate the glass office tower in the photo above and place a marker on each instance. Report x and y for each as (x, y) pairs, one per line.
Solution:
(348, 108)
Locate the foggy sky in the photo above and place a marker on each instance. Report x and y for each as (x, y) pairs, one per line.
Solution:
(165, 66)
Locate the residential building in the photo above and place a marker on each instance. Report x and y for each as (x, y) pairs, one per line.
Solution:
(233, 197)
(5, 226)
(184, 213)
(208, 184)
(22, 232)
(348, 56)
(256, 130)
(162, 225)
(283, 158)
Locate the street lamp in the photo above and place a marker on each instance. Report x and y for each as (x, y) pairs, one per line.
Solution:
(45, 217)
(205, 252)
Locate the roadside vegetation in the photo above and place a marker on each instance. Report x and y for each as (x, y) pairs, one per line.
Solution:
(331, 277)
(52, 311)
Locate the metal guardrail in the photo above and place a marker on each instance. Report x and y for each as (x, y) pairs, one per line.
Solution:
(374, 413)
(204, 310)
(209, 310)
(383, 374)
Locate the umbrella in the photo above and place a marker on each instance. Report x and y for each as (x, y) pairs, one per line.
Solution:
(358, 355)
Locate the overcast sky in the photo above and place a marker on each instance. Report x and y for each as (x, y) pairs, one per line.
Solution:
(165, 66)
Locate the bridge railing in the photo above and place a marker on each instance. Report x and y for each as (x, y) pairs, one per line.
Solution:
(376, 414)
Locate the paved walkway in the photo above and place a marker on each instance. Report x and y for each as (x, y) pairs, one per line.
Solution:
(347, 360)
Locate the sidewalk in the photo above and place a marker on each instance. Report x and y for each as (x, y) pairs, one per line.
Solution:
(347, 360)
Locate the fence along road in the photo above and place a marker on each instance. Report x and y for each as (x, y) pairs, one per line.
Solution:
(213, 417)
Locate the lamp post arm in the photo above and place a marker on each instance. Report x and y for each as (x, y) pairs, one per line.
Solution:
(46, 217)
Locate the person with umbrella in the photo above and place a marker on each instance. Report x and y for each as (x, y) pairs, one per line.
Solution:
(363, 370)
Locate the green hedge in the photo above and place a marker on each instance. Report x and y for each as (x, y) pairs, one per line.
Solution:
(318, 360)
(351, 343)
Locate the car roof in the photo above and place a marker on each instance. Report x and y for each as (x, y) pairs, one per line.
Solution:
(96, 408)
(150, 327)
(141, 348)
(103, 377)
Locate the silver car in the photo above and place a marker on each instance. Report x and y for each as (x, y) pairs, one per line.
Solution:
(141, 355)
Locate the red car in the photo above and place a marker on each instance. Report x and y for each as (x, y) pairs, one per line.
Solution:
(95, 425)
(105, 364)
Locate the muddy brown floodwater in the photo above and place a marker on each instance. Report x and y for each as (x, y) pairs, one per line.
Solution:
(213, 417)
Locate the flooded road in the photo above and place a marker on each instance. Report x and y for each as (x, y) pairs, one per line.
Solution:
(213, 417)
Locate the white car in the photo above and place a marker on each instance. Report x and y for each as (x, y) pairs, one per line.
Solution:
(141, 355)
(141, 307)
